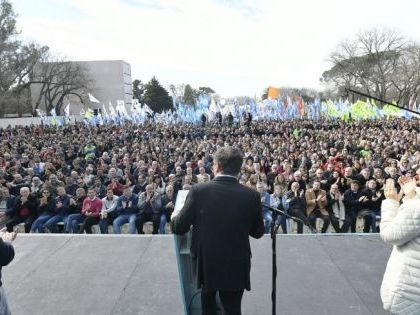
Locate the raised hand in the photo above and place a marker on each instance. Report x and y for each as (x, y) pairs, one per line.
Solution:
(390, 191)
(408, 186)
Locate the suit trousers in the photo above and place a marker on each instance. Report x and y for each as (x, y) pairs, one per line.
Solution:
(300, 214)
(317, 214)
(231, 302)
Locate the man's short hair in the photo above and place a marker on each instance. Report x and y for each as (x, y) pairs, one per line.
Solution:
(229, 159)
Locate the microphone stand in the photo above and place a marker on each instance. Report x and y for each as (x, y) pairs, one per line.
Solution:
(274, 228)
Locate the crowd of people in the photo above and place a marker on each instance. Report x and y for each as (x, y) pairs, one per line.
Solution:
(67, 179)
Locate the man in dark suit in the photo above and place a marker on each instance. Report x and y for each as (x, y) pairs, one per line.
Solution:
(224, 214)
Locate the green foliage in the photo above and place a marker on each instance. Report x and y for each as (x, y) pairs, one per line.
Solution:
(17, 61)
(189, 96)
(138, 90)
(264, 96)
(156, 96)
(205, 90)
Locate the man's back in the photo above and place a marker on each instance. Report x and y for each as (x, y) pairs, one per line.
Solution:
(223, 214)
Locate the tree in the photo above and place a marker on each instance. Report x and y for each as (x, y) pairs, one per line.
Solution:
(53, 80)
(189, 96)
(264, 96)
(17, 61)
(381, 63)
(156, 96)
(138, 90)
(205, 90)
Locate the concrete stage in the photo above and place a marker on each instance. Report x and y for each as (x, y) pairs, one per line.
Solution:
(98, 274)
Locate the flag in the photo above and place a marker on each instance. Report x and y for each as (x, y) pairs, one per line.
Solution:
(273, 93)
(121, 107)
(301, 105)
(67, 110)
(112, 111)
(135, 105)
(53, 112)
(40, 113)
(92, 98)
(89, 114)
(411, 101)
(104, 110)
(213, 106)
(147, 109)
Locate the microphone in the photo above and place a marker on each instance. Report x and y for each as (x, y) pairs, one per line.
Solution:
(282, 212)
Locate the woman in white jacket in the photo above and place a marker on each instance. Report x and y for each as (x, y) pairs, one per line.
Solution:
(400, 227)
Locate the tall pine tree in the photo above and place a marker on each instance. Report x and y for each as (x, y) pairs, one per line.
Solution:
(156, 96)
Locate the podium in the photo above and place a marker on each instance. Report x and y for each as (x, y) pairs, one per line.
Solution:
(191, 296)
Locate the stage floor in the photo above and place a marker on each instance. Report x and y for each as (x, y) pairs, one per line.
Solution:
(98, 274)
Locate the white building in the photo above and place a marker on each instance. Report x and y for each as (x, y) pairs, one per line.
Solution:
(111, 81)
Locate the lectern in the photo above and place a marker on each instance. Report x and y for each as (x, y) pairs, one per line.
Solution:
(190, 295)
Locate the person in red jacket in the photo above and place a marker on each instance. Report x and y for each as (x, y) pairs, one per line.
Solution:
(90, 214)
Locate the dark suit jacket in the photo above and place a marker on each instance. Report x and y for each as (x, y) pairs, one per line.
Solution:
(224, 214)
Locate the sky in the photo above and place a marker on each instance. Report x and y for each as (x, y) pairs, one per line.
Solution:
(236, 47)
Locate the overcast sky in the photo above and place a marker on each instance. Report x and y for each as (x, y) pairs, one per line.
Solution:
(237, 47)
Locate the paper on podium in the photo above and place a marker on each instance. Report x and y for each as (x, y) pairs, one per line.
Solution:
(180, 201)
